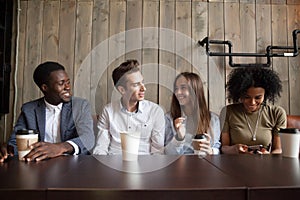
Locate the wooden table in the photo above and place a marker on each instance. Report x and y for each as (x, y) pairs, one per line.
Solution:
(88, 177)
(152, 177)
(266, 176)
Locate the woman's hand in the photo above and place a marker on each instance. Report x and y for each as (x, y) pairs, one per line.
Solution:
(263, 151)
(235, 149)
(258, 149)
(180, 127)
(203, 145)
(241, 148)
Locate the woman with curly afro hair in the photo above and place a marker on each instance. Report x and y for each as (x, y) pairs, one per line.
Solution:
(251, 124)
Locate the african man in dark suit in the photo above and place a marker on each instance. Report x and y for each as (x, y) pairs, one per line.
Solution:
(64, 123)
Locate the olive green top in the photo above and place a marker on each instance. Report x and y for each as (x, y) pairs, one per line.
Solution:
(272, 118)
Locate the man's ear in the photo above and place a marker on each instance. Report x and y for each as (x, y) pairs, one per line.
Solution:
(44, 87)
(121, 89)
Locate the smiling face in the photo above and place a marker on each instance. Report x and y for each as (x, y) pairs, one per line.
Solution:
(253, 98)
(134, 88)
(58, 88)
(182, 91)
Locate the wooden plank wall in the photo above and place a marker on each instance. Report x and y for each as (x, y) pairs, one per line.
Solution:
(91, 37)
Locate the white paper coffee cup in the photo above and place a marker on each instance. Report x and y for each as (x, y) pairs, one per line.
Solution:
(290, 138)
(130, 142)
(25, 138)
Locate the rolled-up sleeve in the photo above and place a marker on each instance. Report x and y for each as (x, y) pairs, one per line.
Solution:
(215, 133)
(158, 131)
(103, 136)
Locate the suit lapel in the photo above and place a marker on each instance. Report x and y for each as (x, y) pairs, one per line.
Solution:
(41, 118)
(66, 116)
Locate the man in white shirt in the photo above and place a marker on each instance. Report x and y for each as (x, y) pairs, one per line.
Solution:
(64, 123)
(129, 113)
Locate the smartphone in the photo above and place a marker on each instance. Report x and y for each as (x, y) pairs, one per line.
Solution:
(255, 147)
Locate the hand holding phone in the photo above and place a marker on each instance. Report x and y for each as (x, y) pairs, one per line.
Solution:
(255, 148)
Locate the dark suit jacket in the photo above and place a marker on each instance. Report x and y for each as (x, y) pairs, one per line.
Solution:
(76, 123)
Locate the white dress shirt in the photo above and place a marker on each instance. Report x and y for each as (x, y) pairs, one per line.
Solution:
(52, 125)
(115, 118)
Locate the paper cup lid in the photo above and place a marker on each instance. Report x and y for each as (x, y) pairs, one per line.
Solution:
(289, 130)
(200, 136)
(26, 132)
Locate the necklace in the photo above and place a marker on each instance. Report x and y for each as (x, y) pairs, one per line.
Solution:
(253, 133)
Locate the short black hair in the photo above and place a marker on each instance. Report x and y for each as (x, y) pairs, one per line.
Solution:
(42, 72)
(126, 67)
(241, 79)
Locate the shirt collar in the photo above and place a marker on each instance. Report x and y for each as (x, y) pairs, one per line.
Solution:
(53, 107)
(140, 108)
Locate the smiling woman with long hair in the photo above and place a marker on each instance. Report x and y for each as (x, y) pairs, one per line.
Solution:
(189, 116)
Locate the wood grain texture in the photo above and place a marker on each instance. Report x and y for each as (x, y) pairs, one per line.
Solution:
(33, 49)
(116, 49)
(263, 29)
(19, 68)
(216, 65)
(199, 31)
(69, 30)
(134, 22)
(50, 31)
(83, 38)
(233, 30)
(294, 68)
(99, 77)
(279, 38)
(167, 64)
(183, 35)
(248, 33)
(150, 49)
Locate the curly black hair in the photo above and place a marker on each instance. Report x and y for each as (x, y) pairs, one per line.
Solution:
(241, 79)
